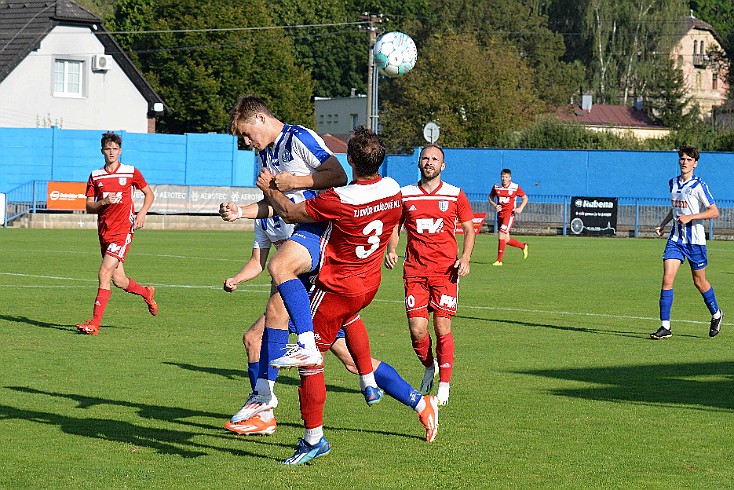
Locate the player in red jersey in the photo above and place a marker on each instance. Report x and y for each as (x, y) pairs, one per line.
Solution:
(506, 194)
(110, 196)
(432, 269)
(361, 217)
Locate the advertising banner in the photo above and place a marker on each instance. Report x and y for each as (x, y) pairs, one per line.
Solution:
(476, 221)
(66, 195)
(181, 199)
(593, 216)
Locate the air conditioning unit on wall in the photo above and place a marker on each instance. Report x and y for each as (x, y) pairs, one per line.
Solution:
(101, 62)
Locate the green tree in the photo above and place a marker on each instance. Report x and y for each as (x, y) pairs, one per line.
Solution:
(199, 74)
(474, 93)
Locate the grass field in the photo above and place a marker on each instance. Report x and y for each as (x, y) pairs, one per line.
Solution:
(556, 384)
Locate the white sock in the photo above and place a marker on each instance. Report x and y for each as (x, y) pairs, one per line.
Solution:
(307, 340)
(367, 380)
(266, 416)
(717, 315)
(421, 405)
(314, 435)
(665, 324)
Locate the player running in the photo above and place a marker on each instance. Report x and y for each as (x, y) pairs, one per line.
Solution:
(110, 196)
(506, 193)
(433, 266)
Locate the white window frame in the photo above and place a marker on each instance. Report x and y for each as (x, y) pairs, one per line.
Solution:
(66, 90)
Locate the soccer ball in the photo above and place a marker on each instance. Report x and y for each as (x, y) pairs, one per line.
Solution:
(395, 54)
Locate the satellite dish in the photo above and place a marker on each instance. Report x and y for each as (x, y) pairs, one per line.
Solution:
(431, 132)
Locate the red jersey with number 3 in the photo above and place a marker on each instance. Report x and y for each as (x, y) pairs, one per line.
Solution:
(430, 221)
(116, 218)
(362, 216)
(506, 197)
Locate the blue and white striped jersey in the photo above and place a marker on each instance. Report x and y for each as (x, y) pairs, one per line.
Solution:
(297, 150)
(689, 197)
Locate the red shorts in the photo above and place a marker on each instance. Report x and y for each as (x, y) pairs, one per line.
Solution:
(438, 294)
(506, 222)
(334, 311)
(116, 245)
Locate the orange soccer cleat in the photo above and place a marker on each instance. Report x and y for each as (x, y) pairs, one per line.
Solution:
(88, 328)
(429, 417)
(262, 424)
(152, 305)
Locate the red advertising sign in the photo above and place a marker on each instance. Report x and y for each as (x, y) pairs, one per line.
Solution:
(66, 195)
(476, 221)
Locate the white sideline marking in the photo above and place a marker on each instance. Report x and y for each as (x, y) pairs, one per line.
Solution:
(555, 312)
(265, 288)
(252, 288)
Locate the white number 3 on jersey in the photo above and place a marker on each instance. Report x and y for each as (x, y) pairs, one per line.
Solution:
(372, 231)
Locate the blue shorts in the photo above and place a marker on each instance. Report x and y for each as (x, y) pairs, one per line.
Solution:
(309, 235)
(696, 254)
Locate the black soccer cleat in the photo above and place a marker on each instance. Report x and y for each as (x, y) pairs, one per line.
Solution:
(661, 333)
(715, 325)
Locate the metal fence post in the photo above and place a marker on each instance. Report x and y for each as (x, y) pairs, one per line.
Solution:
(637, 217)
(565, 214)
(33, 209)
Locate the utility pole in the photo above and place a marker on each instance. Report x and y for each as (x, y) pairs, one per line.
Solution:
(371, 28)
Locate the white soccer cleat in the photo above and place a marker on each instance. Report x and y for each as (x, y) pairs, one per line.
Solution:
(428, 376)
(255, 404)
(443, 393)
(297, 355)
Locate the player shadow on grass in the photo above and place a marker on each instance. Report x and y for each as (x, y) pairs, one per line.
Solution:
(163, 440)
(700, 385)
(237, 374)
(603, 331)
(35, 323)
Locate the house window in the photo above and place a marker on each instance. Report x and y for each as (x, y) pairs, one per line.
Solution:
(715, 81)
(698, 80)
(67, 78)
(695, 48)
(354, 120)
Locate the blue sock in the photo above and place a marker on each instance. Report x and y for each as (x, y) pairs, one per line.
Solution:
(252, 369)
(390, 381)
(710, 298)
(273, 346)
(296, 300)
(666, 303)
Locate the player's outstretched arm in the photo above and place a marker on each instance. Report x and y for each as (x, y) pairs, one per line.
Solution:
(660, 228)
(391, 254)
(250, 270)
(230, 211)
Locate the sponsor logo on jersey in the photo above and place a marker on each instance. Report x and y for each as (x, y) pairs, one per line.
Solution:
(447, 301)
(122, 180)
(443, 206)
(413, 208)
(429, 225)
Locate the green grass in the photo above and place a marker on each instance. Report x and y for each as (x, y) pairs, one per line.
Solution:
(556, 384)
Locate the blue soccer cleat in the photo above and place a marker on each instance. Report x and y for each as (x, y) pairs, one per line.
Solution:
(306, 452)
(372, 395)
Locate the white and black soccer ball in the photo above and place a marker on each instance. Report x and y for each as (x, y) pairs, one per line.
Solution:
(395, 54)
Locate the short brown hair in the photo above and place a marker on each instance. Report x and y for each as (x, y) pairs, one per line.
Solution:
(246, 107)
(366, 151)
(109, 136)
(691, 151)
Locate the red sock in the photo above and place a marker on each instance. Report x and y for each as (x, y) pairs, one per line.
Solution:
(500, 250)
(312, 395)
(515, 243)
(135, 288)
(423, 350)
(100, 303)
(358, 343)
(445, 354)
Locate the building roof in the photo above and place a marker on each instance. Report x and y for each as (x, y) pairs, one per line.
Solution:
(694, 23)
(336, 145)
(25, 23)
(607, 115)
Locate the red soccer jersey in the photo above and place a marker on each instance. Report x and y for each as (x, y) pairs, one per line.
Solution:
(429, 219)
(506, 197)
(117, 218)
(362, 215)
